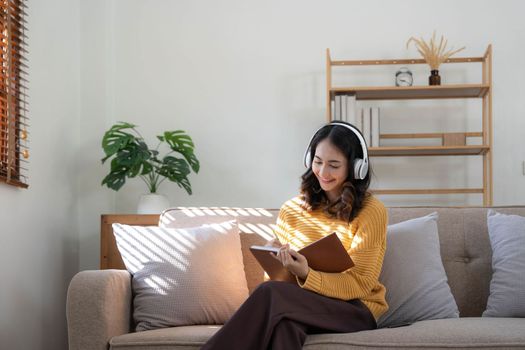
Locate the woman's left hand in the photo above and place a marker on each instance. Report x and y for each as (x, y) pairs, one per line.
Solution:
(293, 261)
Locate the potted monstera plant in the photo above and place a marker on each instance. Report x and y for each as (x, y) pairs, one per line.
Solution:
(131, 157)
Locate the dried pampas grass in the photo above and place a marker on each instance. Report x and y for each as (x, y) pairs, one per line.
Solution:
(432, 53)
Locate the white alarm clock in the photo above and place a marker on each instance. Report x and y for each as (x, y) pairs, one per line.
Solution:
(404, 77)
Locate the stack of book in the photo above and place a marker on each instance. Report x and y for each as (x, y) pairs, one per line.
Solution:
(366, 119)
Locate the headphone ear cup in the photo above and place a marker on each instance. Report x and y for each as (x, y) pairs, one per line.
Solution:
(307, 160)
(364, 169)
(358, 168)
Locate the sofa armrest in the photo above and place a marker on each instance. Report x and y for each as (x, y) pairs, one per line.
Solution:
(98, 307)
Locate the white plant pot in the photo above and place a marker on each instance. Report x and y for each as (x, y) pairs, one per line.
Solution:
(152, 203)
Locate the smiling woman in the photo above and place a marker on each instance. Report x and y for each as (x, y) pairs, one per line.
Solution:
(13, 121)
(333, 199)
(338, 179)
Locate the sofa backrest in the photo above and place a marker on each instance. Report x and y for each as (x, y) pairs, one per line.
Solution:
(465, 250)
(465, 245)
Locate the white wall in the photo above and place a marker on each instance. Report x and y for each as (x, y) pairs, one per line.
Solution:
(96, 111)
(246, 80)
(39, 250)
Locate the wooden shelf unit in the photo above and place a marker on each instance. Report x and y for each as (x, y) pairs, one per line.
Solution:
(414, 92)
(453, 144)
(407, 151)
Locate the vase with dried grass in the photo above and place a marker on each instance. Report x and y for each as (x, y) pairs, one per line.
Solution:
(433, 54)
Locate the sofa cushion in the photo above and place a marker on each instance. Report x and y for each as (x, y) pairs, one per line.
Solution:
(413, 274)
(256, 226)
(174, 338)
(507, 287)
(471, 333)
(183, 276)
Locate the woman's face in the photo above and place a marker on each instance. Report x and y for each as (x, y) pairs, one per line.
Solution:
(330, 166)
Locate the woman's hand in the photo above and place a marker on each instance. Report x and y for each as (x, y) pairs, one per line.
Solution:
(293, 261)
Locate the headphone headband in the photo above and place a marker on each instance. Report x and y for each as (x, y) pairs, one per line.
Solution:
(360, 165)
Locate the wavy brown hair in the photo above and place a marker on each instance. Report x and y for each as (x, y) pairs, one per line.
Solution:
(354, 190)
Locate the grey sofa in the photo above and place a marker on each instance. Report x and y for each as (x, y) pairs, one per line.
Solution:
(99, 303)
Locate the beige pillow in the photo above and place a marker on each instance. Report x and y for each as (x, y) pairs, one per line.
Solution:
(183, 276)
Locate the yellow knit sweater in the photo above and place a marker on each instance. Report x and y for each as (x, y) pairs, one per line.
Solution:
(364, 239)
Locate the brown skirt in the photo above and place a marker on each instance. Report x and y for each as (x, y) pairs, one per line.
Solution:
(279, 315)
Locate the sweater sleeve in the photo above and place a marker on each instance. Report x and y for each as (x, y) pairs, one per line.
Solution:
(282, 226)
(367, 251)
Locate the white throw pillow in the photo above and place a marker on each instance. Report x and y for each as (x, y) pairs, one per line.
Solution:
(183, 276)
(507, 287)
(413, 274)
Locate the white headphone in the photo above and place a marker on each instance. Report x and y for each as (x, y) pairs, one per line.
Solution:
(360, 165)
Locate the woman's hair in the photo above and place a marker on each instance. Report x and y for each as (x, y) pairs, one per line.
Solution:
(354, 190)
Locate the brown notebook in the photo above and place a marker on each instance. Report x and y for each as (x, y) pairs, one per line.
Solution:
(326, 255)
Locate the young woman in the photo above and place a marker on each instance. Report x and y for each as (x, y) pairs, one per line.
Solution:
(334, 197)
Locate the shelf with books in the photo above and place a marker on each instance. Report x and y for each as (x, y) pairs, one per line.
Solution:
(413, 92)
(414, 151)
(429, 191)
(341, 103)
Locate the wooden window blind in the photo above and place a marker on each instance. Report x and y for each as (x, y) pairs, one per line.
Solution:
(14, 150)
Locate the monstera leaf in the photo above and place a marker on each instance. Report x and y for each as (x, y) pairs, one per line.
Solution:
(115, 139)
(136, 157)
(177, 171)
(182, 143)
(117, 177)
